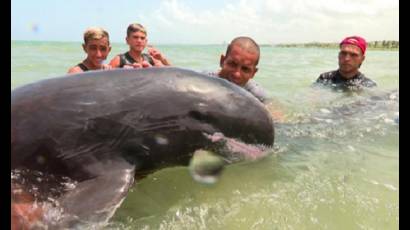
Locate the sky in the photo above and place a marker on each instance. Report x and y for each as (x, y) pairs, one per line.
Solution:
(208, 21)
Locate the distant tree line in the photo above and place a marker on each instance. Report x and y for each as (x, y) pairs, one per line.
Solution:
(371, 45)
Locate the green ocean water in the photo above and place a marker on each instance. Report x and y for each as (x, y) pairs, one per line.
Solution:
(340, 172)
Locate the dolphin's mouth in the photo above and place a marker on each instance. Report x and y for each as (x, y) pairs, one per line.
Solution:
(207, 164)
(233, 150)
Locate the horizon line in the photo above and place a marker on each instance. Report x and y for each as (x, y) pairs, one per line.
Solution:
(221, 43)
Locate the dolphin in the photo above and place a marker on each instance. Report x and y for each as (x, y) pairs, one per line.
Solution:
(99, 130)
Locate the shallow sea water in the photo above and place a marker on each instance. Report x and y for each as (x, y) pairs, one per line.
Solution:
(329, 169)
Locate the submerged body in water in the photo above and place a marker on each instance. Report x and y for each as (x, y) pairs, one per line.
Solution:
(79, 140)
(353, 116)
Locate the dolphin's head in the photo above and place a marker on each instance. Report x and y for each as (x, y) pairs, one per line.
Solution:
(220, 106)
(202, 112)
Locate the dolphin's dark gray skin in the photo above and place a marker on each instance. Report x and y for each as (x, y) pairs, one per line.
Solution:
(100, 128)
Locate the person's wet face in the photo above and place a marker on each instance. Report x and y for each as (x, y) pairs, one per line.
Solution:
(350, 59)
(97, 50)
(239, 65)
(137, 41)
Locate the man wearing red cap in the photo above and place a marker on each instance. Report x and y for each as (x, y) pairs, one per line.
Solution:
(351, 55)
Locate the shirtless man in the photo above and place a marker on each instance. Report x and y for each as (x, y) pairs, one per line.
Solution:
(239, 66)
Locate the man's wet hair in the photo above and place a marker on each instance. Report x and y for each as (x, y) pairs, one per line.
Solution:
(135, 27)
(246, 43)
(95, 33)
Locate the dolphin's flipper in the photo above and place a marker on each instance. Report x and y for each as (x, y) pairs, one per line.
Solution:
(95, 200)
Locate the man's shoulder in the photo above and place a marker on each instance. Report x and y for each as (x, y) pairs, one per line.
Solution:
(326, 78)
(257, 90)
(365, 81)
(328, 75)
(75, 69)
(251, 86)
(210, 73)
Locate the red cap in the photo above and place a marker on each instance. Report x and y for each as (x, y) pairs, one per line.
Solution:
(355, 40)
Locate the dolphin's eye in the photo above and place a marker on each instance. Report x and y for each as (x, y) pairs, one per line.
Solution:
(196, 115)
(199, 116)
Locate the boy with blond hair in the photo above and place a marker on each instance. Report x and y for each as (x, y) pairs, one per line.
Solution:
(97, 47)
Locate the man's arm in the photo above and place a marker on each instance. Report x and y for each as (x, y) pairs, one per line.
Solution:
(115, 62)
(273, 106)
(275, 109)
(324, 78)
(75, 69)
(158, 58)
(321, 78)
(367, 82)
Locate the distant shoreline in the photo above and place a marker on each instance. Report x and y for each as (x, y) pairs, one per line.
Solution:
(373, 45)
